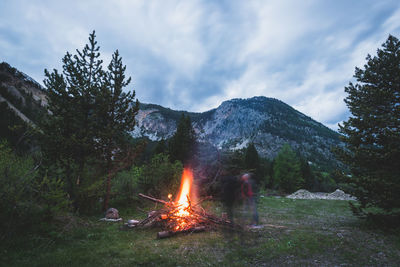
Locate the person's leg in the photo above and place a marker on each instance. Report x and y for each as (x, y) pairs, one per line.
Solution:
(254, 209)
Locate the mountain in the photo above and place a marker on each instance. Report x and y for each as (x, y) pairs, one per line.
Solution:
(22, 94)
(267, 122)
(22, 107)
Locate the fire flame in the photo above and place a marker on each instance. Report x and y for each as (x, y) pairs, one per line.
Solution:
(184, 192)
(186, 185)
(181, 217)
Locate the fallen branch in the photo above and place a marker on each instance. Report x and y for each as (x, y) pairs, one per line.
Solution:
(275, 226)
(110, 220)
(172, 221)
(165, 234)
(154, 199)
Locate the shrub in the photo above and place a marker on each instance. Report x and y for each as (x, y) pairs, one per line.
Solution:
(125, 185)
(26, 199)
(160, 176)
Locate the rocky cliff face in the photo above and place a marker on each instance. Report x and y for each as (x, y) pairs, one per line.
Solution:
(22, 94)
(268, 123)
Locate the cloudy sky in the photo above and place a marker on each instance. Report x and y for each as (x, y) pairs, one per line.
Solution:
(192, 55)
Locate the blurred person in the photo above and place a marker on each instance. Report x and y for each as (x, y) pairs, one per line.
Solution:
(229, 194)
(248, 195)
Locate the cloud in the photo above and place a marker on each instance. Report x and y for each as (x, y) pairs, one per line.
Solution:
(307, 60)
(195, 54)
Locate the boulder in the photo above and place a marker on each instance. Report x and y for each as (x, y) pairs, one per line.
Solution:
(112, 213)
(337, 195)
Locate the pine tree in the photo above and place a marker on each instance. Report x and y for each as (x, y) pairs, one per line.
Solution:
(161, 147)
(84, 76)
(90, 118)
(251, 158)
(115, 111)
(71, 129)
(183, 143)
(372, 133)
(58, 139)
(307, 174)
(252, 162)
(287, 175)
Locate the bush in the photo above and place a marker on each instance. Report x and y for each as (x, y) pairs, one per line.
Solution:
(125, 185)
(160, 176)
(26, 199)
(157, 178)
(287, 173)
(323, 182)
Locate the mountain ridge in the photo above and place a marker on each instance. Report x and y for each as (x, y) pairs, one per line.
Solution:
(267, 122)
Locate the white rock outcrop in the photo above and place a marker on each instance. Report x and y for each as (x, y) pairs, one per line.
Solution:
(337, 195)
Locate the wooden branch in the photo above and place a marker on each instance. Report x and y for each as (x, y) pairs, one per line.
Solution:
(275, 226)
(165, 234)
(153, 199)
(196, 221)
(201, 201)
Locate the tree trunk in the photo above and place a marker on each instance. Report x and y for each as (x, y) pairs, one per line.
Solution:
(108, 191)
(108, 182)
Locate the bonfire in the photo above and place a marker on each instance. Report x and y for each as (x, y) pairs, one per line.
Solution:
(181, 215)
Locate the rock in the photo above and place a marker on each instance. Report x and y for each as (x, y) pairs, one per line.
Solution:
(301, 194)
(133, 222)
(337, 195)
(112, 213)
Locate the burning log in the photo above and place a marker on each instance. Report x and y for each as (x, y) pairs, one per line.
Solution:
(175, 218)
(181, 216)
(165, 234)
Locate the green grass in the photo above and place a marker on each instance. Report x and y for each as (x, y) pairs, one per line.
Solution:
(310, 233)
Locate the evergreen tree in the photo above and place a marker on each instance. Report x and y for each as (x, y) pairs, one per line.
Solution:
(90, 118)
(307, 174)
(287, 175)
(69, 133)
(115, 114)
(183, 142)
(161, 147)
(252, 161)
(251, 158)
(372, 133)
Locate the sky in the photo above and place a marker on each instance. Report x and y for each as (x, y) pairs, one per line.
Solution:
(193, 55)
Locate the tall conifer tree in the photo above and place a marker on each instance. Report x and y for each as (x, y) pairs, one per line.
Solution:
(90, 117)
(251, 158)
(116, 111)
(372, 133)
(183, 142)
(69, 132)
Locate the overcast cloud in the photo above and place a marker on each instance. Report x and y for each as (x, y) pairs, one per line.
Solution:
(192, 55)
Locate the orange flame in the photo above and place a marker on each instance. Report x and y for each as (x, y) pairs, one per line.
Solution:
(186, 186)
(182, 214)
(184, 192)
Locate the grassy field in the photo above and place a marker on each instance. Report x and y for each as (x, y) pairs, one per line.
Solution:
(295, 232)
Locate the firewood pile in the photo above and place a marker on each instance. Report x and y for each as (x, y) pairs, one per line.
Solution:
(175, 217)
